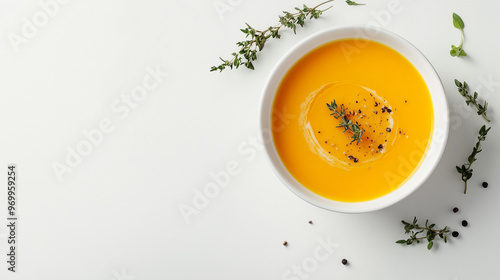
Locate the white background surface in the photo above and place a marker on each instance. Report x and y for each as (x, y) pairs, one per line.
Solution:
(116, 215)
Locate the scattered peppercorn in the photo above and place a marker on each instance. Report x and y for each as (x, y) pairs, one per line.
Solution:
(455, 209)
(355, 160)
(455, 234)
(388, 129)
(465, 223)
(485, 185)
(285, 243)
(344, 261)
(380, 146)
(311, 222)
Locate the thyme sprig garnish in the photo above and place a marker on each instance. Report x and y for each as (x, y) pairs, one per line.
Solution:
(352, 3)
(459, 24)
(430, 233)
(463, 89)
(467, 171)
(258, 39)
(345, 122)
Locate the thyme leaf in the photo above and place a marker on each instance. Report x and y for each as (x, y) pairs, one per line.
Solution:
(352, 3)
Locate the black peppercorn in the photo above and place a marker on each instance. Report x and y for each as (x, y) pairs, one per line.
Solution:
(485, 185)
(455, 234)
(285, 243)
(465, 223)
(455, 210)
(344, 261)
(388, 129)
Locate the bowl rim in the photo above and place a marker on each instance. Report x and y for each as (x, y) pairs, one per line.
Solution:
(433, 152)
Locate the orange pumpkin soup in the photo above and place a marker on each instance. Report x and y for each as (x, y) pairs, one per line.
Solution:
(378, 90)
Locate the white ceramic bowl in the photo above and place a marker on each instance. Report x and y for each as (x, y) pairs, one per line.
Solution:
(431, 78)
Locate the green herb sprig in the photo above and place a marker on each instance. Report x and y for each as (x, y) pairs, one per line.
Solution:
(346, 123)
(459, 24)
(352, 3)
(430, 233)
(467, 171)
(463, 89)
(249, 48)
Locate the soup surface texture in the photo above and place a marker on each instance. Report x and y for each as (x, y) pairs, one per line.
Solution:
(377, 89)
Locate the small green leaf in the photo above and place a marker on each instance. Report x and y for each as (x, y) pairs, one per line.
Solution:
(471, 158)
(401, 241)
(352, 3)
(458, 22)
(429, 246)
